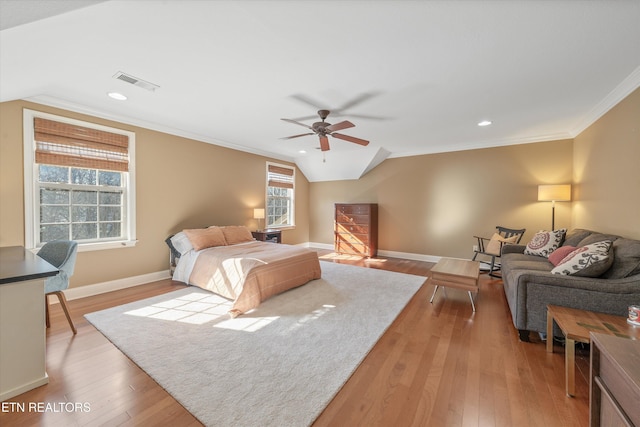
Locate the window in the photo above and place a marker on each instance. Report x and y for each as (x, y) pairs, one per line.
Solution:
(79, 182)
(280, 196)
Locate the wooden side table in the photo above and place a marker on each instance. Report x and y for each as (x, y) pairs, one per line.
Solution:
(576, 325)
(274, 236)
(456, 273)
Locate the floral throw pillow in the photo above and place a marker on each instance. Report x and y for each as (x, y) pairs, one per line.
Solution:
(587, 261)
(545, 242)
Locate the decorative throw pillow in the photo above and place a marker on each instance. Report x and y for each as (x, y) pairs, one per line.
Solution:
(587, 261)
(559, 254)
(545, 242)
(202, 238)
(495, 244)
(180, 242)
(235, 234)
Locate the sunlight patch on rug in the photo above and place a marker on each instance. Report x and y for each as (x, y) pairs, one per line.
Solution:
(302, 345)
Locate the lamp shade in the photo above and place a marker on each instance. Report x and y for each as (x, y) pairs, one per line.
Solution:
(258, 213)
(554, 193)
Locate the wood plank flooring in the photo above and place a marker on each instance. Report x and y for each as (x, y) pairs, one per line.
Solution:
(437, 365)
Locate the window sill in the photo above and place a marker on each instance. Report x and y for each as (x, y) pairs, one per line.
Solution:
(99, 246)
(281, 227)
(88, 247)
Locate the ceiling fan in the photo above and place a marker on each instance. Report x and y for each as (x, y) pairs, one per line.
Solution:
(324, 129)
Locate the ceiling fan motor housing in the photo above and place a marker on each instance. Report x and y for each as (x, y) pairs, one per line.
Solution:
(320, 127)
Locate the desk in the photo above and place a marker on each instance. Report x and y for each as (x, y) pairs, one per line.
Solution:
(22, 320)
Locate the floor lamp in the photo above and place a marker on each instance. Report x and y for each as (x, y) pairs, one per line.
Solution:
(554, 193)
(258, 214)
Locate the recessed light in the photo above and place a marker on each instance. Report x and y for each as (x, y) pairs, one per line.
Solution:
(302, 152)
(484, 123)
(116, 95)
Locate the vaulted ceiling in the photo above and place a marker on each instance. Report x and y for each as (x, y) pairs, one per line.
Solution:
(415, 77)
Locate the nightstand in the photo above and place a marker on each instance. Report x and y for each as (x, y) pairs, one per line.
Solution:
(274, 236)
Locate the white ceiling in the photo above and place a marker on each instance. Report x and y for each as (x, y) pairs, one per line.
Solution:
(415, 77)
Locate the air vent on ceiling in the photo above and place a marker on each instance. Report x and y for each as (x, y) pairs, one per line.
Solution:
(135, 81)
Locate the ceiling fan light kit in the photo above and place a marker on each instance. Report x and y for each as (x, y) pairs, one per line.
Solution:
(324, 130)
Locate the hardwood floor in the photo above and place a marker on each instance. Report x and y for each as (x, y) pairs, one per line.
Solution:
(438, 364)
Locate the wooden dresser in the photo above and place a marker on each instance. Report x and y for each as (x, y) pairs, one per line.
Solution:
(355, 229)
(615, 381)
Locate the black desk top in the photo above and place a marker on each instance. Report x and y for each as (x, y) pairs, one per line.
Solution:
(17, 264)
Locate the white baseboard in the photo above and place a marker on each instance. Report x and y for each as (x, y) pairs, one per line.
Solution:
(129, 282)
(390, 254)
(114, 285)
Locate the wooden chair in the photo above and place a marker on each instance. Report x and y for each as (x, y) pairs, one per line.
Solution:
(492, 247)
(62, 255)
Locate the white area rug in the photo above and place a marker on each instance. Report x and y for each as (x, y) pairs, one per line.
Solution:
(279, 365)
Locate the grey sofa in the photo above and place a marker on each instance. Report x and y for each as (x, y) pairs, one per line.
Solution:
(529, 284)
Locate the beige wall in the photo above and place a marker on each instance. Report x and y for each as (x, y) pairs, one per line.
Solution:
(606, 171)
(435, 204)
(181, 183)
(430, 204)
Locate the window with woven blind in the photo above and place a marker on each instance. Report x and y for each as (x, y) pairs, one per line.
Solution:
(65, 144)
(280, 196)
(79, 182)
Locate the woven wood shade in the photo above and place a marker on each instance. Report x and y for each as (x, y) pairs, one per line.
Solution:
(280, 177)
(64, 144)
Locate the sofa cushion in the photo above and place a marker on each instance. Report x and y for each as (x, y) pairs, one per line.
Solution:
(559, 254)
(545, 242)
(626, 259)
(575, 236)
(587, 261)
(597, 237)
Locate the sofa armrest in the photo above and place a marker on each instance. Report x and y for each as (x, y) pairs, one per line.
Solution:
(512, 248)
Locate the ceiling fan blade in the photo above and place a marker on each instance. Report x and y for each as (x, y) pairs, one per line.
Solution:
(350, 138)
(307, 100)
(339, 126)
(297, 136)
(297, 123)
(357, 100)
(324, 143)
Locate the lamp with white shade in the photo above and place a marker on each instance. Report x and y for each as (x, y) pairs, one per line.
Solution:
(554, 193)
(258, 214)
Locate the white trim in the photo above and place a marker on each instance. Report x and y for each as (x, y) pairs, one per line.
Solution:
(24, 387)
(115, 285)
(31, 209)
(82, 109)
(620, 92)
(390, 254)
(143, 279)
(292, 217)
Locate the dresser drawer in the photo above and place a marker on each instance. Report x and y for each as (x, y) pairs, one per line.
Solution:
(352, 248)
(354, 209)
(353, 238)
(351, 228)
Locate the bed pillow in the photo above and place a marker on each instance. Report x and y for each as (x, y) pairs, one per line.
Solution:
(545, 242)
(235, 234)
(559, 254)
(587, 261)
(495, 246)
(202, 238)
(180, 243)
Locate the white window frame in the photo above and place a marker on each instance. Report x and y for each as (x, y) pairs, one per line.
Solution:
(31, 186)
(293, 199)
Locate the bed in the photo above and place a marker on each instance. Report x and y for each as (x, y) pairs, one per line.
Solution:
(230, 263)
